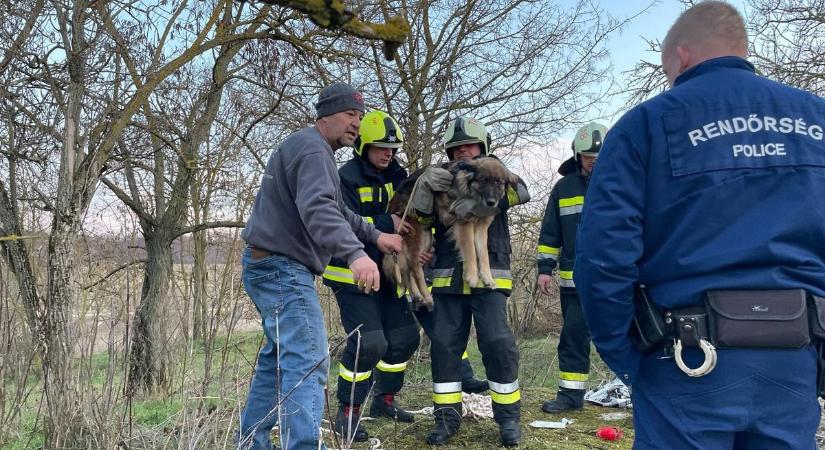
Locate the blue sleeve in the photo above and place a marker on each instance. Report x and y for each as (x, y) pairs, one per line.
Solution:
(608, 248)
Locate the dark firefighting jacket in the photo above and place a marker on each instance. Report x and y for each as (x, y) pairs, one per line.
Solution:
(557, 241)
(366, 192)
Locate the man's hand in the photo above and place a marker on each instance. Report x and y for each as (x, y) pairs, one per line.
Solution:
(365, 274)
(399, 226)
(389, 243)
(426, 257)
(543, 283)
(434, 179)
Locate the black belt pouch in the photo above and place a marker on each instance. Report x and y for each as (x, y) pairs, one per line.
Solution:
(648, 327)
(758, 319)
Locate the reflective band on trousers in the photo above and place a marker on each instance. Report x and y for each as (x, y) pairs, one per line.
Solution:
(573, 380)
(353, 377)
(368, 219)
(505, 393)
(572, 384)
(504, 388)
(566, 278)
(387, 367)
(339, 274)
(447, 399)
(445, 388)
(447, 393)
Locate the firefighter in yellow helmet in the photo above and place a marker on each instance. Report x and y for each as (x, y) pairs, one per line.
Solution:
(388, 335)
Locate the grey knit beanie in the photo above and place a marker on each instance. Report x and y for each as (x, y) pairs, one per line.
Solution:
(338, 97)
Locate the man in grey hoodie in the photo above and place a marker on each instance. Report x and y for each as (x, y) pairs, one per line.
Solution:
(298, 223)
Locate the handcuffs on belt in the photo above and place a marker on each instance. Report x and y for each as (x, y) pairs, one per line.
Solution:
(691, 327)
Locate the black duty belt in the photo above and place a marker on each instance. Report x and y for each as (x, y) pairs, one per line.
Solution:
(729, 319)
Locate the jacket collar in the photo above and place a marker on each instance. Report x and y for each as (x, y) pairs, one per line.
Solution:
(570, 167)
(371, 171)
(712, 65)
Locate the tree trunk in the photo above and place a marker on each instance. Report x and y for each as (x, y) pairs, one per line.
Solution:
(147, 362)
(200, 274)
(63, 426)
(199, 268)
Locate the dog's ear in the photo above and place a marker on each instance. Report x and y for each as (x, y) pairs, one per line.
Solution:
(512, 180)
(464, 166)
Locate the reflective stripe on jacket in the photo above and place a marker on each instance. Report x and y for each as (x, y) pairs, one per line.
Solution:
(447, 274)
(367, 193)
(557, 240)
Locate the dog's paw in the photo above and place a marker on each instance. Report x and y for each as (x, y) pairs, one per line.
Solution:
(488, 281)
(471, 279)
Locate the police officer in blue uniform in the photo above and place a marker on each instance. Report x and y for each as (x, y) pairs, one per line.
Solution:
(715, 185)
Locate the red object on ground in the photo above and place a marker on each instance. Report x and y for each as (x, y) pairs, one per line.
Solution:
(609, 433)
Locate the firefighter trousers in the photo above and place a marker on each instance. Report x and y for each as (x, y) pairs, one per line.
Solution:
(425, 320)
(574, 343)
(451, 319)
(387, 338)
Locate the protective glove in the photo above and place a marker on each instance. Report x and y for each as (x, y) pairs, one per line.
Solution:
(468, 208)
(434, 179)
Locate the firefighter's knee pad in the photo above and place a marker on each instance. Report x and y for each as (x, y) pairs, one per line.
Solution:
(502, 345)
(404, 342)
(372, 348)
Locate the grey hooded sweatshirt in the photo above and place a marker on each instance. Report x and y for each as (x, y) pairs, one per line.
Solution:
(299, 212)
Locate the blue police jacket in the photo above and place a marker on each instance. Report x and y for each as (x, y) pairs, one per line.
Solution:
(718, 183)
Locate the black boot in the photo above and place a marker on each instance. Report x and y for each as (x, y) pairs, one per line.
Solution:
(344, 424)
(510, 433)
(566, 400)
(474, 386)
(447, 422)
(385, 405)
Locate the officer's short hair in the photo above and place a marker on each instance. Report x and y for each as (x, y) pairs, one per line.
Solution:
(709, 21)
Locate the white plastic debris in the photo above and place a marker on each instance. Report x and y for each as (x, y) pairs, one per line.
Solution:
(614, 416)
(548, 424)
(610, 393)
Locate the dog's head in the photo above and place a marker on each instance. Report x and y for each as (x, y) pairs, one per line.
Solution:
(485, 179)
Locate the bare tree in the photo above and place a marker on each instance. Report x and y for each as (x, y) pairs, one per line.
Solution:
(67, 76)
(787, 44)
(528, 69)
(788, 41)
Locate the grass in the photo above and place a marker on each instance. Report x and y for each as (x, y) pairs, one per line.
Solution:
(166, 416)
(538, 375)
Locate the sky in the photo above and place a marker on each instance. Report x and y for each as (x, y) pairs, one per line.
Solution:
(630, 46)
(625, 48)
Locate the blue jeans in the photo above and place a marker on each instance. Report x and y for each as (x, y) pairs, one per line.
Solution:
(283, 291)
